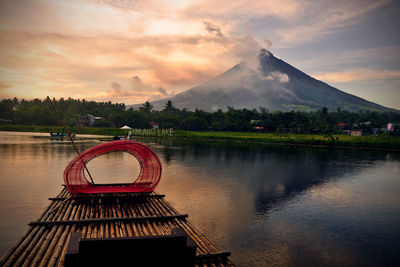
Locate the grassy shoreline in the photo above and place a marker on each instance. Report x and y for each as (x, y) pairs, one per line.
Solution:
(312, 140)
(48, 129)
(371, 142)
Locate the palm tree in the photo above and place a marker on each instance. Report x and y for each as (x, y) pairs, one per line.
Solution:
(147, 107)
(168, 105)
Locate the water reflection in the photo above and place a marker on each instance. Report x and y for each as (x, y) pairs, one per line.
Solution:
(273, 173)
(115, 167)
(269, 205)
(288, 205)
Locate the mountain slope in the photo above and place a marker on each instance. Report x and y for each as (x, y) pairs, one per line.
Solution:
(276, 85)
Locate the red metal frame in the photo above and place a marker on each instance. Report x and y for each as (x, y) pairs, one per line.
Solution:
(148, 179)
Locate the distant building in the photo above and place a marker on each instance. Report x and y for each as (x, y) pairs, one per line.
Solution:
(87, 120)
(155, 125)
(5, 121)
(256, 125)
(356, 132)
(391, 127)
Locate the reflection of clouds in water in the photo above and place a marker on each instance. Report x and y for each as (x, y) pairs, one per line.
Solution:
(292, 243)
(209, 204)
(346, 191)
(271, 173)
(268, 204)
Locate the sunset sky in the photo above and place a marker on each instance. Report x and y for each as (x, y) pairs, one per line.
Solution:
(133, 51)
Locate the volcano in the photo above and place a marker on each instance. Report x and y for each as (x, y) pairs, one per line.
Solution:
(275, 85)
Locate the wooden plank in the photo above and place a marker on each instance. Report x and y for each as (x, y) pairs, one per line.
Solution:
(107, 196)
(104, 216)
(219, 254)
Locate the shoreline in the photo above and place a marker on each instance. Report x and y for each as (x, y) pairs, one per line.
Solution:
(246, 141)
(388, 143)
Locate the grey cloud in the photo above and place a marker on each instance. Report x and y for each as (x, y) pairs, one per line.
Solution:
(117, 91)
(211, 28)
(139, 86)
(247, 50)
(116, 86)
(268, 43)
(162, 91)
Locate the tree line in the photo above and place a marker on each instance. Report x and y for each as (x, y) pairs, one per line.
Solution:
(324, 121)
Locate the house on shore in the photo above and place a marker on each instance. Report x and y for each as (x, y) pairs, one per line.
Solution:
(155, 125)
(88, 120)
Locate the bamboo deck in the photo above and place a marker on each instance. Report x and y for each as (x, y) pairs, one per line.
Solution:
(104, 216)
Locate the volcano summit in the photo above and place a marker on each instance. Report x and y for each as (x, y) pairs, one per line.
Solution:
(275, 85)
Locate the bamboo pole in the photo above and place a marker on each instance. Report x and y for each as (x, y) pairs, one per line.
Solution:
(57, 236)
(32, 246)
(101, 230)
(106, 230)
(64, 250)
(36, 253)
(83, 216)
(46, 215)
(147, 224)
(95, 229)
(88, 231)
(199, 244)
(49, 250)
(168, 206)
(49, 207)
(132, 224)
(157, 224)
(162, 205)
(153, 229)
(93, 216)
(211, 245)
(191, 229)
(163, 226)
(59, 205)
(70, 137)
(55, 213)
(187, 229)
(23, 247)
(78, 212)
(141, 228)
(122, 226)
(59, 246)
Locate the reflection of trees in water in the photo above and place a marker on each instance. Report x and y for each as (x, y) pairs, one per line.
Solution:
(44, 150)
(274, 174)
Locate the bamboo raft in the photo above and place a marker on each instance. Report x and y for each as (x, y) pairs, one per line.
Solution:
(105, 216)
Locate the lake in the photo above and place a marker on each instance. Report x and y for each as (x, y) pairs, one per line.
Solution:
(268, 205)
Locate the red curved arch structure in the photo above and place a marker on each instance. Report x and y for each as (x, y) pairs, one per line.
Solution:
(149, 176)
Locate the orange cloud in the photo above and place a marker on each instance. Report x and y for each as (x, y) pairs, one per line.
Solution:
(79, 48)
(90, 63)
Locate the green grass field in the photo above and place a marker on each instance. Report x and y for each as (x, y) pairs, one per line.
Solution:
(384, 142)
(387, 142)
(48, 129)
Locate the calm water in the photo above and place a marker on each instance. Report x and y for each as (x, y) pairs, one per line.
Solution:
(268, 205)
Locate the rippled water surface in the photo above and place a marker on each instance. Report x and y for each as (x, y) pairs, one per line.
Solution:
(268, 205)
